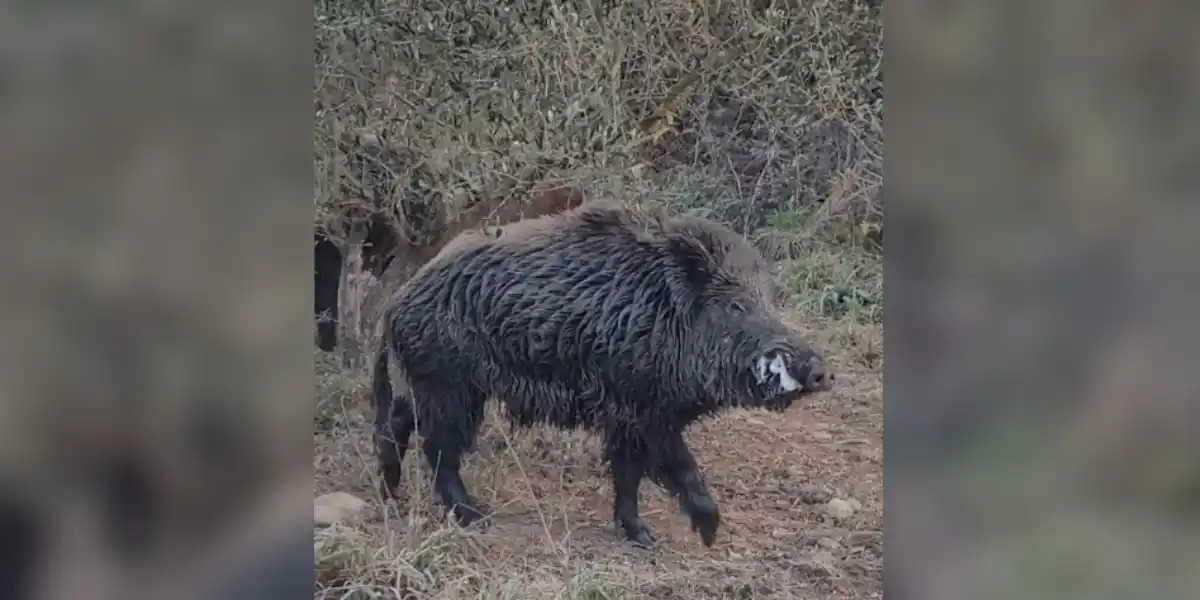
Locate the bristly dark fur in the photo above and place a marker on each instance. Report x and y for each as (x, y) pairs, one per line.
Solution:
(629, 325)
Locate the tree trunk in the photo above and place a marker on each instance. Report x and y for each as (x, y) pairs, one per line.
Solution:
(351, 290)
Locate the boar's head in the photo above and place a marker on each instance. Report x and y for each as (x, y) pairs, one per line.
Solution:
(735, 346)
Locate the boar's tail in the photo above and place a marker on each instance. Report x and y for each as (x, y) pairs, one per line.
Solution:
(381, 383)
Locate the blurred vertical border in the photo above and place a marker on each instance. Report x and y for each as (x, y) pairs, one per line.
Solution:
(157, 358)
(1042, 393)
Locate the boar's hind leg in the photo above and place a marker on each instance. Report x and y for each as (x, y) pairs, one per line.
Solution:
(394, 424)
(628, 468)
(447, 437)
(679, 474)
(394, 421)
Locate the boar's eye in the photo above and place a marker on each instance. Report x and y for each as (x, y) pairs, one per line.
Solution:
(774, 366)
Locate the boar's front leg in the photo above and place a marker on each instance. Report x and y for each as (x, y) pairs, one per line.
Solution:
(627, 466)
(679, 474)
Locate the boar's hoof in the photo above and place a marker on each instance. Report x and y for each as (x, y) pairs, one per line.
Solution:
(388, 492)
(706, 522)
(466, 515)
(638, 534)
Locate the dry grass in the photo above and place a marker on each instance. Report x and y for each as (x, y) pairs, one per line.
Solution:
(763, 115)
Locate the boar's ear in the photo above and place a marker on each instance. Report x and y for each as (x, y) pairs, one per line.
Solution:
(693, 259)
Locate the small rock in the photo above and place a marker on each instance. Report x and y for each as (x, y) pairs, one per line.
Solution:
(821, 563)
(865, 538)
(337, 507)
(811, 494)
(369, 139)
(840, 509)
(824, 559)
(829, 543)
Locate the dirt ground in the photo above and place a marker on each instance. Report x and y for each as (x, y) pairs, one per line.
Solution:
(800, 497)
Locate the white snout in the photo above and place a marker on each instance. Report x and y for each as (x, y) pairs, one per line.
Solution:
(776, 365)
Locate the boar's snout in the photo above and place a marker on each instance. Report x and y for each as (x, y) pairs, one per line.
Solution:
(789, 376)
(817, 376)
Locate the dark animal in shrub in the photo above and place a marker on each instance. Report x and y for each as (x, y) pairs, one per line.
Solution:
(381, 242)
(630, 325)
(392, 259)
